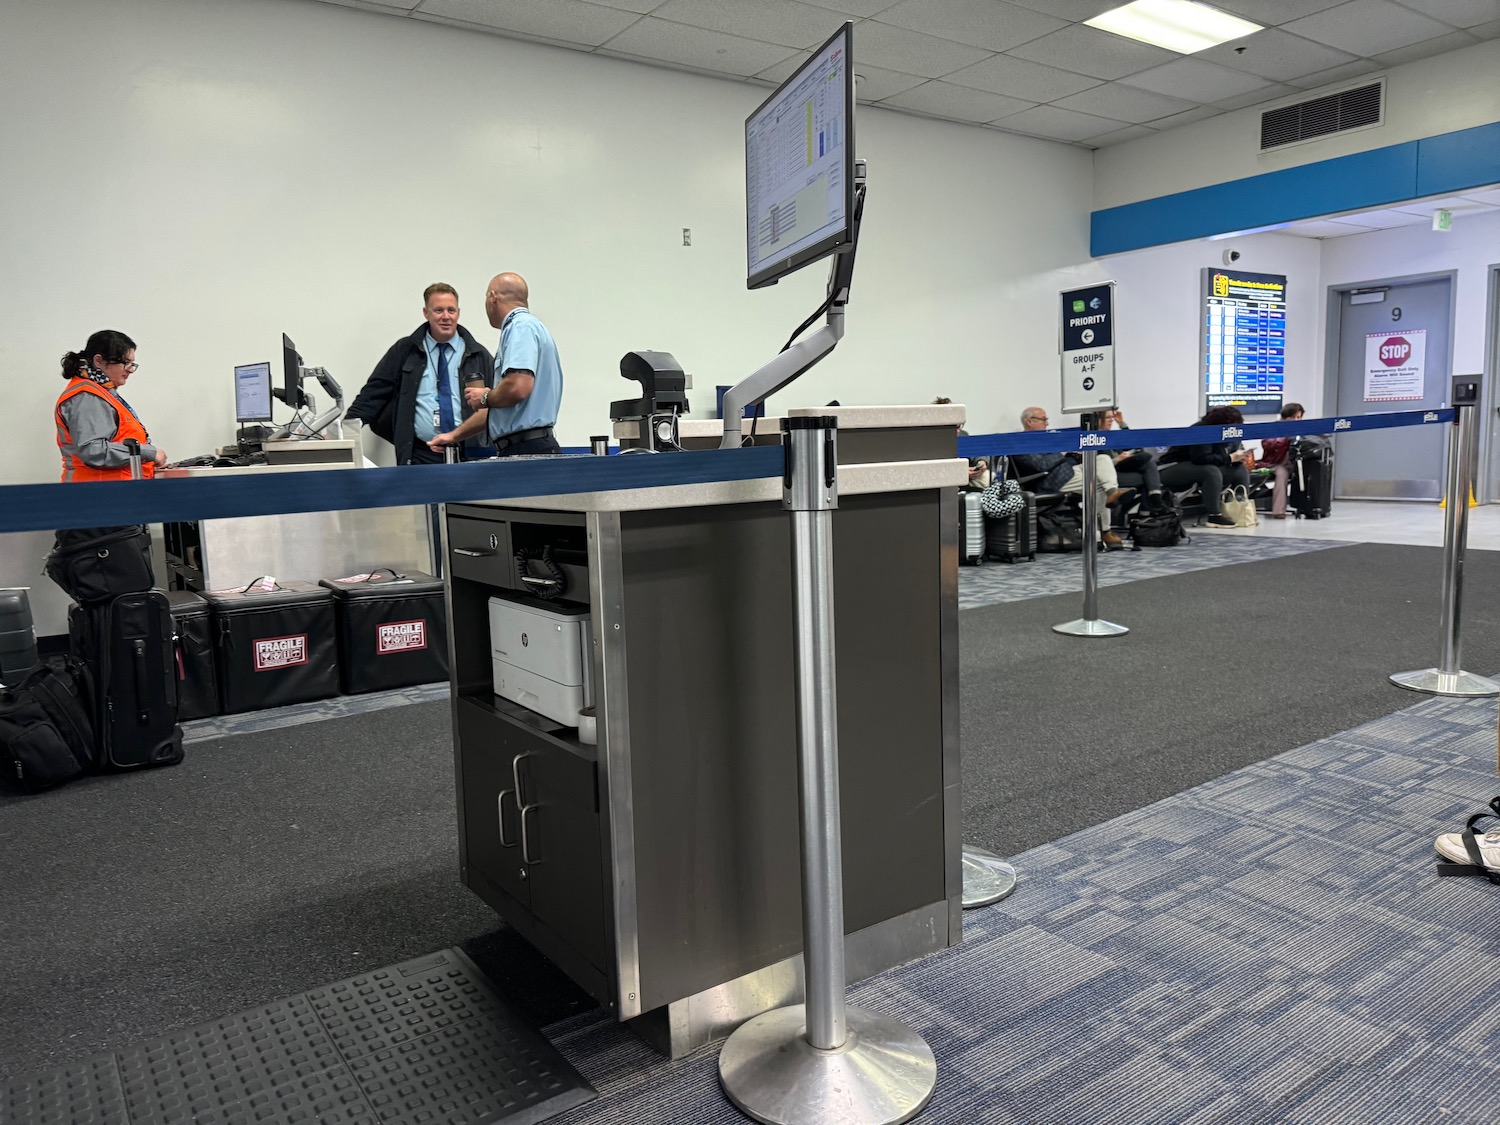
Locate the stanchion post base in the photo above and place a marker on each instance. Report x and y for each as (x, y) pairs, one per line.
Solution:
(987, 877)
(883, 1074)
(1084, 627)
(1430, 681)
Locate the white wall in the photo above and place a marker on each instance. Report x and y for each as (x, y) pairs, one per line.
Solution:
(1443, 94)
(206, 176)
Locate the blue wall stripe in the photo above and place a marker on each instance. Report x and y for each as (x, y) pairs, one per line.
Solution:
(1455, 161)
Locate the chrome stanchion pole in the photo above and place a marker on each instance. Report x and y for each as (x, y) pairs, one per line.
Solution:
(1089, 625)
(821, 1063)
(435, 523)
(1448, 678)
(987, 877)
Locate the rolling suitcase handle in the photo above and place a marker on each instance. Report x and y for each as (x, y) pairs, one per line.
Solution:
(133, 448)
(138, 653)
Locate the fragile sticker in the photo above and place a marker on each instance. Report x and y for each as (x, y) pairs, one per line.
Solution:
(280, 652)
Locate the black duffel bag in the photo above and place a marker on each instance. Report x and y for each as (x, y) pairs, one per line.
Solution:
(1059, 530)
(95, 564)
(46, 735)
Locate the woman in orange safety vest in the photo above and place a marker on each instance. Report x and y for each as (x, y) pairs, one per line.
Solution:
(93, 421)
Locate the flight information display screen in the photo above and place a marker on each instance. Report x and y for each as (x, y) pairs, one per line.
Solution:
(799, 166)
(1244, 341)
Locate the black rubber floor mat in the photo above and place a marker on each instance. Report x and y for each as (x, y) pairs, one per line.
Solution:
(426, 1041)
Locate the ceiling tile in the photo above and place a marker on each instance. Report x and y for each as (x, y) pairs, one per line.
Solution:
(1453, 41)
(992, 24)
(870, 82)
(771, 21)
(1058, 124)
(1325, 228)
(1458, 204)
(1258, 97)
(910, 52)
(1460, 13)
(569, 21)
(1187, 117)
(650, 38)
(958, 102)
(1270, 13)
(398, 7)
(1487, 30)
(1488, 195)
(1387, 219)
(1119, 136)
(1097, 53)
(1006, 74)
(1368, 27)
(854, 7)
(1196, 81)
(1074, 11)
(1335, 76)
(638, 6)
(1275, 55)
(1124, 103)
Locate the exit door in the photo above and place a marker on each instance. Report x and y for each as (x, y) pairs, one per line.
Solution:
(1393, 354)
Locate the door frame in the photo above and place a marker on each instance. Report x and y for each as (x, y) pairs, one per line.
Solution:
(1334, 323)
(1486, 487)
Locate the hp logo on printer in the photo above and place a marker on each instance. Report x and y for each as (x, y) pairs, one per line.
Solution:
(525, 640)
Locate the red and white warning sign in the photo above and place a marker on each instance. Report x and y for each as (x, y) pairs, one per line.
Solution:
(400, 636)
(280, 652)
(1395, 366)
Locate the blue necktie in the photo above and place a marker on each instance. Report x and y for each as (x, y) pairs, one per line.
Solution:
(445, 388)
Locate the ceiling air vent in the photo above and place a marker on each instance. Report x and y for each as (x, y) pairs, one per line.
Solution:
(1333, 113)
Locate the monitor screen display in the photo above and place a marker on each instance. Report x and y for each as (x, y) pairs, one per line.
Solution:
(291, 374)
(799, 166)
(252, 392)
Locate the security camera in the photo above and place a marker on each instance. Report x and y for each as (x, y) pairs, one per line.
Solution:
(1231, 256)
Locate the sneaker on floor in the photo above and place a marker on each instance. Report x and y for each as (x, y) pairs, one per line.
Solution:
(1218, 521)
(1450, 845)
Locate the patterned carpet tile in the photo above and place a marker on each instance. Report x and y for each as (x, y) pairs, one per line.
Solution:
(1270, 947)
(994, 582)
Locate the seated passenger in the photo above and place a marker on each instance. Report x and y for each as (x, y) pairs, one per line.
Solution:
(1063, 472)
(1213, 466)
(980, 471)
(1135, 468)
(1275, 454)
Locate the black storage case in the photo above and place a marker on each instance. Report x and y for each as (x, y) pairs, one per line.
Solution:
(274, 647)
(392, 630)
(197, 679)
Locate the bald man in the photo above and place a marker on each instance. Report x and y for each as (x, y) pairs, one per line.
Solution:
(520, 411)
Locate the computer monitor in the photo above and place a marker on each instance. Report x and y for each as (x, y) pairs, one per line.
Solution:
(252, 392)
(799, 166)
(290, 391)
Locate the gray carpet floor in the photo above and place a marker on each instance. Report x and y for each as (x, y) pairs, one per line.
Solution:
(272, 862)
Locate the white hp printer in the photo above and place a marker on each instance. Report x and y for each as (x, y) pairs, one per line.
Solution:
(542, 658)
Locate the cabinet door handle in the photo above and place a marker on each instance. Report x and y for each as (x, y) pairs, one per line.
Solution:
(472, 552)
(500, 812)
(515, 777)
(526, 856)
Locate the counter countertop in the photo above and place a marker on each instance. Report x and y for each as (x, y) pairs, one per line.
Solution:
(850, 418)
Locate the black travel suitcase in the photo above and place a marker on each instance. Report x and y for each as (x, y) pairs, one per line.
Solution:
(971, 529)
(392, 630)
(197, 678)
(1012, 538)
(274, 645)
(1311, 484)
(127, 645)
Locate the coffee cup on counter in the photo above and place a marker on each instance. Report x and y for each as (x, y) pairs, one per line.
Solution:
(588, 731)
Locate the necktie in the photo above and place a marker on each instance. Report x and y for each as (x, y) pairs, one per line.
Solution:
(444, 388)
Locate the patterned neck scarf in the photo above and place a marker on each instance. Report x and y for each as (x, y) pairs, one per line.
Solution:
(93, 374)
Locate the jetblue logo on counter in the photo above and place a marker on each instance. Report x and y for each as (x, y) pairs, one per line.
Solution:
(1091, 441)
(1430, 416)
(1342, 424)
(400, 636)
(280, 652)
(1233, 432)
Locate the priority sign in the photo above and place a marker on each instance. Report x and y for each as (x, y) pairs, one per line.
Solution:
(1087, 344)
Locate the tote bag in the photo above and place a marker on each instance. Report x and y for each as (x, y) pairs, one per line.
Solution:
(1239, 507)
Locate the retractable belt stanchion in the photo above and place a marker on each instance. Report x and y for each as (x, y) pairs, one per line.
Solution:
(435, 523)
(1089, 624)
(1448, 678)
(821, 1062)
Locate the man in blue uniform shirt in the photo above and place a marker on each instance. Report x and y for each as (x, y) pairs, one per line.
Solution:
(520, 411)
(415, 391)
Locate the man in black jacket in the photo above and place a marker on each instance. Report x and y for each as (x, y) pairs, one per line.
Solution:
(416, 390)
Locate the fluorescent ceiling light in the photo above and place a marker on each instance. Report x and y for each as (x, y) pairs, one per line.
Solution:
(1178, 25)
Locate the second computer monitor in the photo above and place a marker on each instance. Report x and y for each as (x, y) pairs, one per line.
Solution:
(291, 374)
(252, 392)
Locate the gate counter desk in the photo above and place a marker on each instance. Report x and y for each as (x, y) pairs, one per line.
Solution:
(660, 867)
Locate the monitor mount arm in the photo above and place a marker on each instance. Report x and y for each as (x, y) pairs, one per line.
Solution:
(334, 413)
(799, 357)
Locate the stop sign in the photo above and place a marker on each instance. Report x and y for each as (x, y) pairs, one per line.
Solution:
(1395, 351)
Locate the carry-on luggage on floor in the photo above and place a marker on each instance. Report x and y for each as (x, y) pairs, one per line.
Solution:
(197, 676)
(971, 538)
(1012, 538)
(392, 630)
(127, 644)
(1311, 485)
